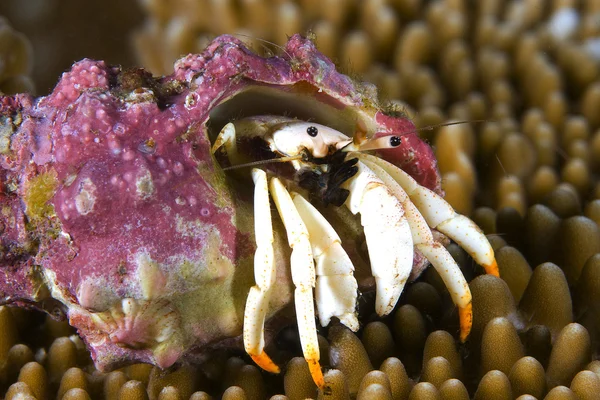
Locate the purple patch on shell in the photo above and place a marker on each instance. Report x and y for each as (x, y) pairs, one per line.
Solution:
(115, 212)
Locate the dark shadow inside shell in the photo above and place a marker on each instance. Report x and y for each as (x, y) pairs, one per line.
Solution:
(302, 101)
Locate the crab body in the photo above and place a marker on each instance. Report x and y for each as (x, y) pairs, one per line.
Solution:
(116, 214)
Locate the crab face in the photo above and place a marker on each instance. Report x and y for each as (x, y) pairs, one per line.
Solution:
(116, 214)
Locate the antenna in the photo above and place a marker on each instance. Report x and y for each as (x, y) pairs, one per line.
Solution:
(432, 127)
(392, 141)
(262, 162)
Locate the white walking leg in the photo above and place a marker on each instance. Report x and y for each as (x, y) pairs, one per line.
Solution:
(257, 303)
(303, 276)
(336, 288)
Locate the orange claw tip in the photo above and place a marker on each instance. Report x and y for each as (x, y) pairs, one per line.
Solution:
(316, 373)
(492, 269)
(265, 362)
(465, 315)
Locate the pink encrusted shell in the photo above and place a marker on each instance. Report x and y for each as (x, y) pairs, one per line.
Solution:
(116, 214)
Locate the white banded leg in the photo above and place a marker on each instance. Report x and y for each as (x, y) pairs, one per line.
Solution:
(257, 303)
(435, 252)
(303, 276)
(336, 286)
(441, 216)
(387, 232)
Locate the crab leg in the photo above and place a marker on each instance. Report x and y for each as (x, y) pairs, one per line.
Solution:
(388, 235)
(264, 275)
(441, 216)
(228, 138)
(303, 276)
(435, 252)
(336, 286)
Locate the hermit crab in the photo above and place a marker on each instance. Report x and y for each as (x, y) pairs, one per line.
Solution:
(397, 215)
(138, 207)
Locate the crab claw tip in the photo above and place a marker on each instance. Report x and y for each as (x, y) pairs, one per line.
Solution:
(265, 362)
(316, 373)
(465, 315)
(492, 269)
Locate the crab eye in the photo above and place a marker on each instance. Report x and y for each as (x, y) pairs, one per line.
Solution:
(312, 131)
(395, 141)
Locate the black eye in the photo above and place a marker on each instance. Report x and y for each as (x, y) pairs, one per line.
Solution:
(312, 131)
(395, 141)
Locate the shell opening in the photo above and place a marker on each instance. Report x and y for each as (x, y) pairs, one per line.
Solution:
(302, 101)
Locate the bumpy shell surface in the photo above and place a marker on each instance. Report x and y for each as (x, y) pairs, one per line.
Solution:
(115, 214)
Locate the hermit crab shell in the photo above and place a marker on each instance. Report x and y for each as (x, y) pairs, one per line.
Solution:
(116, 215)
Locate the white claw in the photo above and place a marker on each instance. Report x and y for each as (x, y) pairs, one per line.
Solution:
(424, 241)
(435, 252)
(387, 232)
(336, 286)
(441, 216)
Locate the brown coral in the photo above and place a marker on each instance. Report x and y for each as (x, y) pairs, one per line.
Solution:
(537, 153)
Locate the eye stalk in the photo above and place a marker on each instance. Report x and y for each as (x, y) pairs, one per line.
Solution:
(384, 142)
(312, 131)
